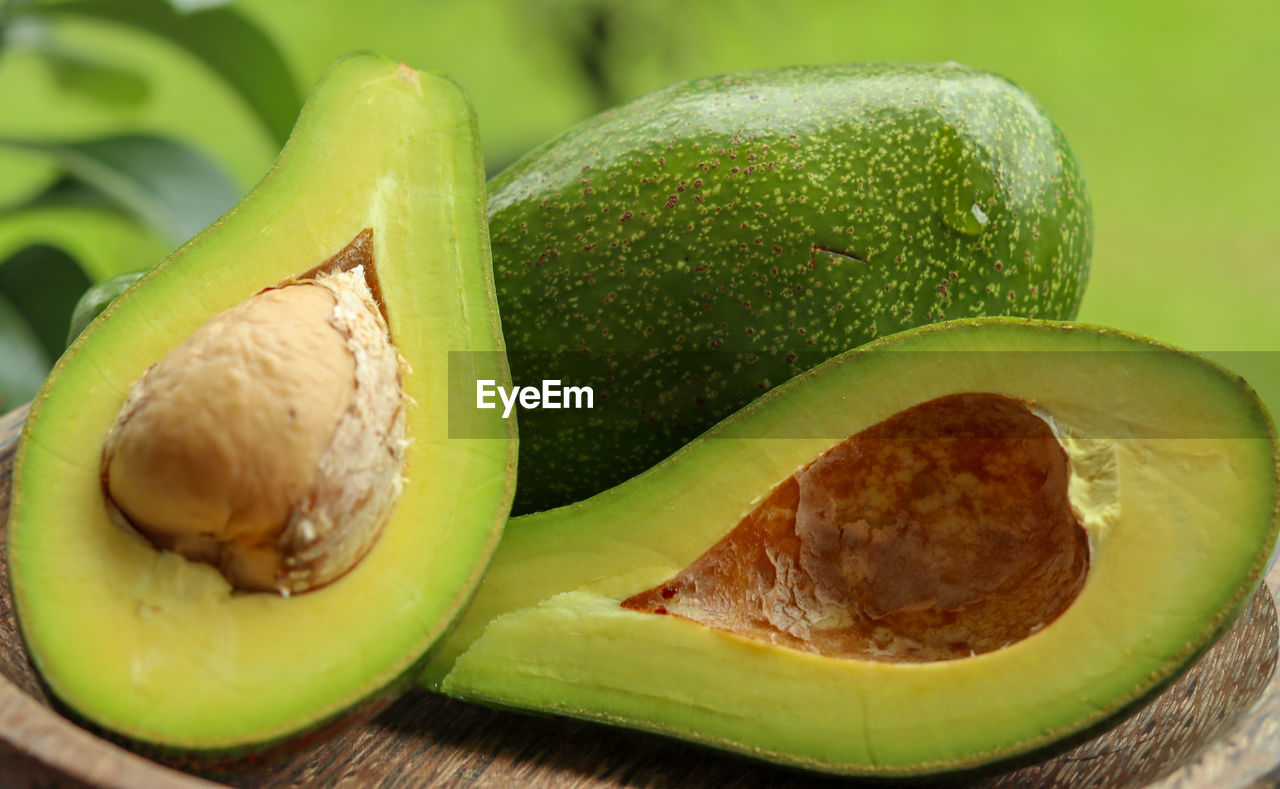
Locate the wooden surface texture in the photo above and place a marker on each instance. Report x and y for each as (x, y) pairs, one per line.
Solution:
(1218, 726)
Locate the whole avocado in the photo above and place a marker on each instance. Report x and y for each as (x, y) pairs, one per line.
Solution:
(685, 252)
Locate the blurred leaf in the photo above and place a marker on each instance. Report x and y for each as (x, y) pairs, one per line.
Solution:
(24, 176)
(43, 284)
(188, 6)
(93, 78)
(23, 363)
(166, 184)
(223, 39)
(66, 192)
(97, 80)
(103, 239)
(96, 299)
(587, 29)
(526, 87)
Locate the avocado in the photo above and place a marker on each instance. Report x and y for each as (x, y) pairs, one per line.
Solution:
(237, 520)
(685, 252)
(97, 298)
(958, 544)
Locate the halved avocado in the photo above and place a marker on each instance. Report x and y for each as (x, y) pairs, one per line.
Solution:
(383, 170)
(958, 544)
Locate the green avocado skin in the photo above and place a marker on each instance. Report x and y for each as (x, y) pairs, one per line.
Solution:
(688, 251)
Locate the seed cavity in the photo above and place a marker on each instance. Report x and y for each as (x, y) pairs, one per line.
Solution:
(270, 442)
(943, 532)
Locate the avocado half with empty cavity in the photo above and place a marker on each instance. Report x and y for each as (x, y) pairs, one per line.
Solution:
(956, 545)
(237, 517)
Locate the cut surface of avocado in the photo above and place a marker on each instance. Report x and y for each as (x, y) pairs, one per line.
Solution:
(381, 180)
(957, 545)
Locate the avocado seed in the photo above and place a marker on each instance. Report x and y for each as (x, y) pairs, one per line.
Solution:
(270, 442)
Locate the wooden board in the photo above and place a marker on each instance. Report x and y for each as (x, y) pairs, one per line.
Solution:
(1218, 726)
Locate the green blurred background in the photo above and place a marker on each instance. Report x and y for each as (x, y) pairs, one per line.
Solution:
(1171, 107)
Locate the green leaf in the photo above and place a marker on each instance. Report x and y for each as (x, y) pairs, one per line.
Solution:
(43, 284)
(103, 239)
(24, 175)
(23, 362)
(97, 80)
(167, 185)
(98, 298)
(227, 42)
(65, 192)
(187, 6)
(93, 78)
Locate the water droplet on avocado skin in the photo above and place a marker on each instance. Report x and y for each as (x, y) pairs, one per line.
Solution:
(962, 180)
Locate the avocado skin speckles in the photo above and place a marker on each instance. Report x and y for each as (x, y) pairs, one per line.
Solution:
(686, 252)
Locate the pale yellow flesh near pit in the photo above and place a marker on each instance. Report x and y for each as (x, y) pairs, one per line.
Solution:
(158, 648)
(1173, 555)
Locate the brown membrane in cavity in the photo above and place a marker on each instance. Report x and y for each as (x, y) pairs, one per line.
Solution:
(941, 532)
(358, 253)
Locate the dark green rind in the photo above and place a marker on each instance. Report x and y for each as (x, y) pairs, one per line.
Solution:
(772, 219)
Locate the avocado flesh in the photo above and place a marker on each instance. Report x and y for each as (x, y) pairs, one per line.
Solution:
(689, 250)
(1173, 478)
(160, 649)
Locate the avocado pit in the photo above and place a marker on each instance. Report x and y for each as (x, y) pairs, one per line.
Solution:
(942, 532)
(270, 442)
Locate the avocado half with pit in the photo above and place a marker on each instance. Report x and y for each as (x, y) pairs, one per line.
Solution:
(238, 518)
(956, 545)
